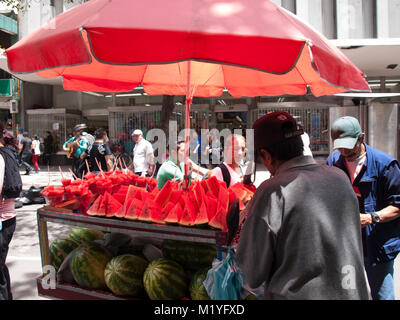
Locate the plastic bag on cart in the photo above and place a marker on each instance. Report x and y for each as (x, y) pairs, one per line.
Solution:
(225, 279)
(64, 274)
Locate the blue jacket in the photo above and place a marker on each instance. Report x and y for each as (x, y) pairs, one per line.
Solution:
(379, 185)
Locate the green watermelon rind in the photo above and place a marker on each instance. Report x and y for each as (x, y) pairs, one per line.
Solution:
(87, 265)
(191, 255)
(196, 286)
(59, 249)
(81, 235)
(165, 280)
(124, 275)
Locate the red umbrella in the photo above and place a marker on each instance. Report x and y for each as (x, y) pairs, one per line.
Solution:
(182, 47)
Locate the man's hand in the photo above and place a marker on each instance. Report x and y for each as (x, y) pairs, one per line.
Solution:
(366, 219)
(150, 171)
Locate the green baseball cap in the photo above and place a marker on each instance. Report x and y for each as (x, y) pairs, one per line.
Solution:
(345, 132)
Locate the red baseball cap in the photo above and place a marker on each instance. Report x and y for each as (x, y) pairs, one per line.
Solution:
(273, 128)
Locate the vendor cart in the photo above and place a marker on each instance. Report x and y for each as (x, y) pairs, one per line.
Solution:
(72, 292)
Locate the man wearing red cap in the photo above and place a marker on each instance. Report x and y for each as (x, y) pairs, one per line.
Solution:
(302, 235)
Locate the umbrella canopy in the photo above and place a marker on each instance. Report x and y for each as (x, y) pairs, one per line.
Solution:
(249, 47)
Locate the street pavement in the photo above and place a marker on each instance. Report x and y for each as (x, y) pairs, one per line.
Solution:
(23, 258)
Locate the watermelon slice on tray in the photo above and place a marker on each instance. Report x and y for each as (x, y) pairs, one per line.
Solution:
(135, 209)
(174, 216)
(150, 208)
(95, 206)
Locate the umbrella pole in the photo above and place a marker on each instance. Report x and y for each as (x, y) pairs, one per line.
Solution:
(187, 125)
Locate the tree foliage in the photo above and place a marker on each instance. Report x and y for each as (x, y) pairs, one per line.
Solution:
(22, 5)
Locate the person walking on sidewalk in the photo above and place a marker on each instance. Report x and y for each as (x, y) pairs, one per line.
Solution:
(35, 152)
(26, 152)
(10, 188)
(375, 177)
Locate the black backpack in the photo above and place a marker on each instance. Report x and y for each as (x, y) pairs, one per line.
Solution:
(12, 184)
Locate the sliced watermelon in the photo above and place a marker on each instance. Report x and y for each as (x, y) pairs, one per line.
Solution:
(211, 204)
(175, 214)
(186, 218)
(223, 199)
(202, 216)
(135, 209)
(158, 217)
(113, 206)
(213, 185)
(164, 195)
(120, 197)
(219, 220)
(150, 208)
(199, 194)
(175, 196)
(190, 205)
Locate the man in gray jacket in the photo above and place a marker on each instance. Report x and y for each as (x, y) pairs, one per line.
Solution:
(302, 235)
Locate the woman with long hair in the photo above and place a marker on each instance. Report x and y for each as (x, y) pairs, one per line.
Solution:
(10, 188)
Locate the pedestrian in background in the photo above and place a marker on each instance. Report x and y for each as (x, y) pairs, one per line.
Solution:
(48, 148)
(35, 152)
(10, 188)
(100, 153)
(143, 155)
(302, 231)
(375, 177)
(25, 152)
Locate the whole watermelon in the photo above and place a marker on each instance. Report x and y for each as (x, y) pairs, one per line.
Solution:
(165, 280)
(190, 255)
(59, 249)
(88, 263)
(196, 287)
(80, 235)
(124, 275)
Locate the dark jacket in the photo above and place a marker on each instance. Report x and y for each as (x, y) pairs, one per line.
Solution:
(379, 185)
(302, 235)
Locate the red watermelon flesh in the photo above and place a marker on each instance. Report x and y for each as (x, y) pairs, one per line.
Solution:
(155, 191)
(102, 210)
(203, 183)
(202, 216)
(239, 190)
(219, 220)
(135, 209)
(95, 206)
(120, 197)
(193, 202)
(175, 196)
(113, 206)
(159, 217)
(190, 206)
(213, 185)
(122, 211)
(187, 219)
(149, 207)
(223, 199)
(199, 194)
(175, 214)
(211, 205)
(164, 195)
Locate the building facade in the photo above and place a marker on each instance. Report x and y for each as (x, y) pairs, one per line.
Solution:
(367, 31)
